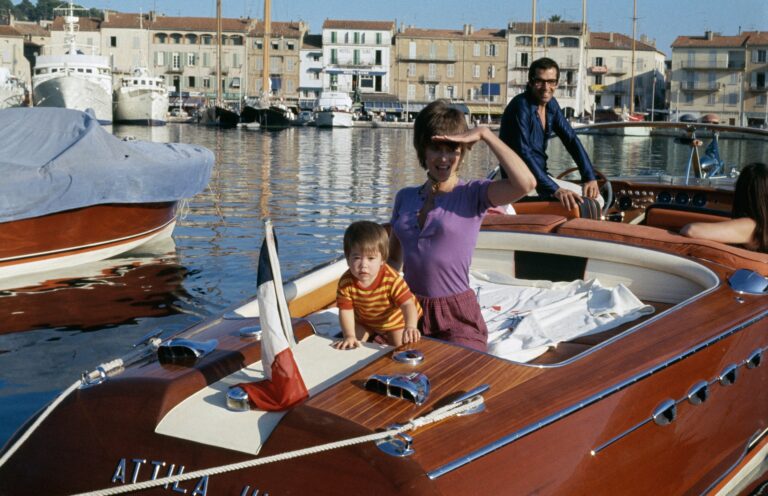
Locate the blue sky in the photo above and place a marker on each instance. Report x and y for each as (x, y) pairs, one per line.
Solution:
(661, 20)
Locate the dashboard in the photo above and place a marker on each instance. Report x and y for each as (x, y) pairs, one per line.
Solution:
(632, 199)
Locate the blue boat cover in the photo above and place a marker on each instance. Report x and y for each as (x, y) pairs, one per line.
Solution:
(55, 159)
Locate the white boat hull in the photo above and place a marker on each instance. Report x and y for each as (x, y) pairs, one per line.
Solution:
(74, 92)
(141, 106)
(328, 118)
(635, 131)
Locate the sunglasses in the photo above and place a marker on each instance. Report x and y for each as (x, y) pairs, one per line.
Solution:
(541, 82)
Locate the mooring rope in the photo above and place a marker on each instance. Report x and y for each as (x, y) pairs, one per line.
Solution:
(104, 368)
(437, 415)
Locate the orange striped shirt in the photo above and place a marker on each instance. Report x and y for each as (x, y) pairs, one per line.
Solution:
(377, 307)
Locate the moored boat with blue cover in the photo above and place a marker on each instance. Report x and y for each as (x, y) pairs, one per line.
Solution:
(72, 192)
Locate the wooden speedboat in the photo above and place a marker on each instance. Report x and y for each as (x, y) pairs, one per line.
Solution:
(671, 401)
(76, 194)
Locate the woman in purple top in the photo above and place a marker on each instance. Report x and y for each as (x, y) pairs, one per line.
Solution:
(435, 225)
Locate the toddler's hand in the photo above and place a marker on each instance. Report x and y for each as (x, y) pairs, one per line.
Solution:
(347, 343)
(411, 335)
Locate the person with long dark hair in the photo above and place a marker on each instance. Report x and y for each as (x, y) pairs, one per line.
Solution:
(749, 224)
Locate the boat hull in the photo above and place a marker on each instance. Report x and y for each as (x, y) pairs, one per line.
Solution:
(80, 236)
(141, 106)
(270, 117)
(328, 118)
(74, 93)
(581, 423)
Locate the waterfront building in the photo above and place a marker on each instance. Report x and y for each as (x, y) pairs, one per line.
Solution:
(183, 50)
(756, 92)
(125, 38)
(35, 37)
(609, 73)
(87, 36)
(286, 40)
(311, 70)
(357, 59)
(466, 65)
(565, 42)
(708, 76)
(12, 53)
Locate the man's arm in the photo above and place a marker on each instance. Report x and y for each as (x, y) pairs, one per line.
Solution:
(571, 141)
(515, 132)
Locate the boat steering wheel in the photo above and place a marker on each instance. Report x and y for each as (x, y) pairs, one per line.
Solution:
(606, 190)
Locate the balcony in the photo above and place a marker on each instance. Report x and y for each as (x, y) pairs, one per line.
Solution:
(722, 65)
(758, 88)
(618, 71)
(706, 87)
(430, 78)
(598, 69)
(437, 59)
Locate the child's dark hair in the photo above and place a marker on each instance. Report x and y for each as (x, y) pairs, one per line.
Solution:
(437, 118)
(368, 236)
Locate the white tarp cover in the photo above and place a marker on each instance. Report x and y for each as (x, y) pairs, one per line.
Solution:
(55, 159)
(525, 318)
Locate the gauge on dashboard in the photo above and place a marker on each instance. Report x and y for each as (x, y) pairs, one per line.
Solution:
(699, 200)
(682, 198)
(625, 203)
(664, 197)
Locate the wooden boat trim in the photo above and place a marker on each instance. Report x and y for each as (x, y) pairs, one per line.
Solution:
(87, 247)
(743, 470)
(510, 438)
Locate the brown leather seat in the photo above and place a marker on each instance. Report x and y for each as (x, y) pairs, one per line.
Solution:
(667, 241)
(674, 217)
(540, 223)
(589, 209)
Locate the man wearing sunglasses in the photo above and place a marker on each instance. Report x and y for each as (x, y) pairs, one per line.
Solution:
(534, 116)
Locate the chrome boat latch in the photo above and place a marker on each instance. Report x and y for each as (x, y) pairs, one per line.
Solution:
(237, 400)
(410, 357)
(412, 387)
(397, 445)
(748, 281)
(665, 413)
(250, 332)
(469, 396)
(184, 350)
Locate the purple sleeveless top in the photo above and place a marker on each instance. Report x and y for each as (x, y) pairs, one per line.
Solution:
(436, 258)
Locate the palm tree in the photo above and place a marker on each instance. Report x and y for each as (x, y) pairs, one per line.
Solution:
(555, 18)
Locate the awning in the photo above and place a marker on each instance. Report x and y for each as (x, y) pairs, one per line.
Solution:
(383, 106)
(493, 89)
(485, 109)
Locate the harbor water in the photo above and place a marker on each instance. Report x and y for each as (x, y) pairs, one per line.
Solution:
(311, 182)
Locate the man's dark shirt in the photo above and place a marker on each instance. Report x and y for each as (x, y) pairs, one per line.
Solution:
(521, 130)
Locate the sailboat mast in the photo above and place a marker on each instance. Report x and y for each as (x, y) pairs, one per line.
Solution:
(533, 31)
(267, 43)
(218, 52)
(632, 76)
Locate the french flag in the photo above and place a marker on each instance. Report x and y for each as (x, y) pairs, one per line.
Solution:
(283, 387)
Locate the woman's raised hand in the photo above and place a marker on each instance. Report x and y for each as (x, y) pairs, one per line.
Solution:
(469, 137)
